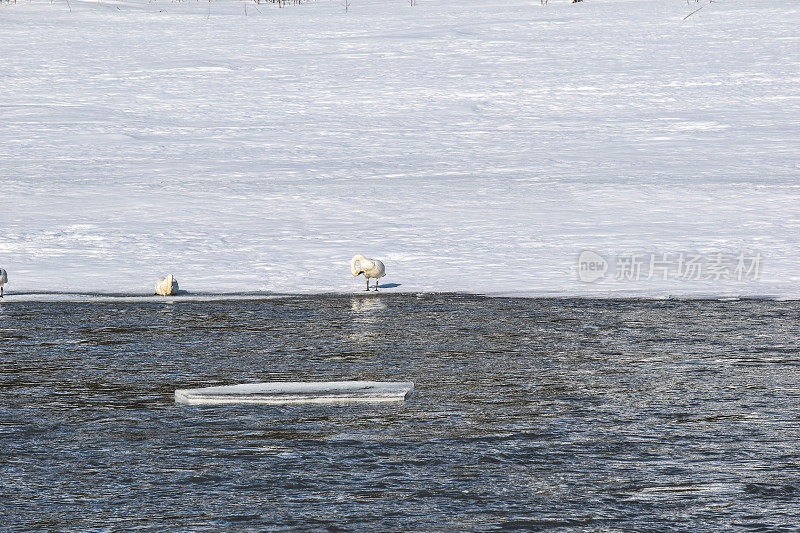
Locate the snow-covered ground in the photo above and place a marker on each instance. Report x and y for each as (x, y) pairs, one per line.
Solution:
(473, 146)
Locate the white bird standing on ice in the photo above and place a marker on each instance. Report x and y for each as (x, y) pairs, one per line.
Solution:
(3, 280)
(371, 268)
(167, 286)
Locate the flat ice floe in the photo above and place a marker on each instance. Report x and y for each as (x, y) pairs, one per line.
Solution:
(298, 392)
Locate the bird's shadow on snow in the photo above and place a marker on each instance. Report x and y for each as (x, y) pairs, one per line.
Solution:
(388, 285)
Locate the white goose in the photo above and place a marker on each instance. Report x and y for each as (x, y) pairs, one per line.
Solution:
(3, 280)
(371, 268)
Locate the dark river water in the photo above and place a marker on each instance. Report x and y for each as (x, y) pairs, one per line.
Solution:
(528, 414)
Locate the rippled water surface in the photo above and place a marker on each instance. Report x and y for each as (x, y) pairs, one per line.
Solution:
(528, 414)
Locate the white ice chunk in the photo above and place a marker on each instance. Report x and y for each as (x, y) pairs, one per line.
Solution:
(298, 392)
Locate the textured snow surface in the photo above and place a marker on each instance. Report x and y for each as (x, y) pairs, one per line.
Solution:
(298, 392)
(470, 145)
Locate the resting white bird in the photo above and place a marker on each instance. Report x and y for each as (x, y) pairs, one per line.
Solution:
(167, 286)
(371, 268)
(3, 280)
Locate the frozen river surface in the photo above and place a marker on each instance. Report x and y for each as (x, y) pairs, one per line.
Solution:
(473, 146)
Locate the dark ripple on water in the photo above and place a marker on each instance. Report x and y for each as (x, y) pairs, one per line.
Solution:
(529, 414)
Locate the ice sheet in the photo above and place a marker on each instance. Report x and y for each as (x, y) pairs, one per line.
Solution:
(298, 392)
(471, 146)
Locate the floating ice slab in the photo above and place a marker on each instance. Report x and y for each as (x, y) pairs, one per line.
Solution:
(298, 392)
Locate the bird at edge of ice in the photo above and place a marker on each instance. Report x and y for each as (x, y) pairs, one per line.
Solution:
(167, 286)
(3, 280)
(371, 268)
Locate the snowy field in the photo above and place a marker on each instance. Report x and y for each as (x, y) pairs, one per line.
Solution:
(473, 146)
